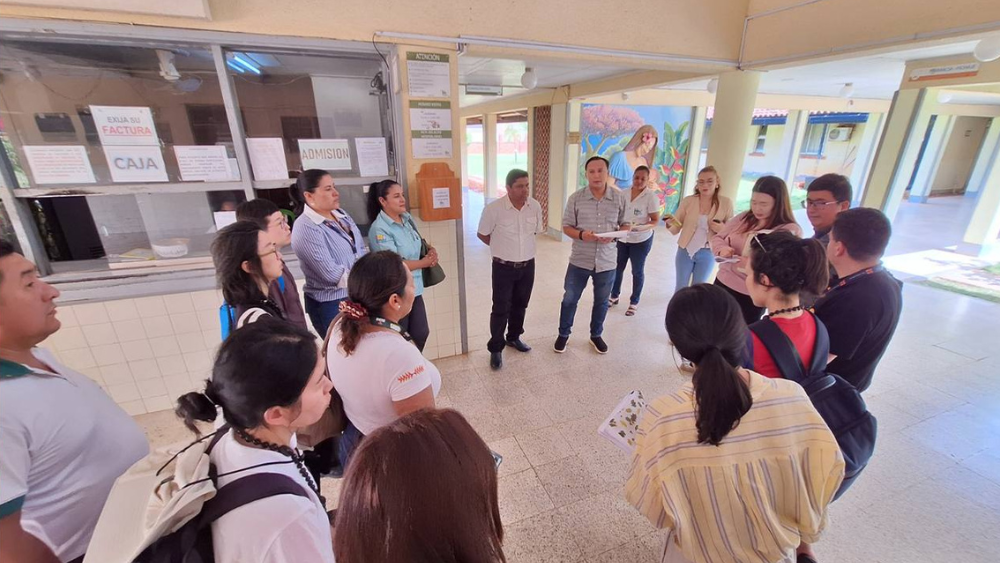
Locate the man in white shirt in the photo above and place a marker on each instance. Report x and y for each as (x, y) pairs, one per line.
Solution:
(63, 441)
(509, 226)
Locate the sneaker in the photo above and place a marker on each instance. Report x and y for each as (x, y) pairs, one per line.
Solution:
(598, 343)
(560, 346)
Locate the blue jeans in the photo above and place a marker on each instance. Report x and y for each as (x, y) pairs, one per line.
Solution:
(349, 441)
(700, 266)
(637, 253)
(576, 281)
(322, 313)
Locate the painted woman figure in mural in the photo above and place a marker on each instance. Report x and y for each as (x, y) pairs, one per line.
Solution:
(640, 151)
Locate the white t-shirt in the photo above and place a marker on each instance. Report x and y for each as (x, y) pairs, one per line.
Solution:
(638, 210)
(278, 529)
(63, 443)
(700, 237)
(512, 231)
(382, 369)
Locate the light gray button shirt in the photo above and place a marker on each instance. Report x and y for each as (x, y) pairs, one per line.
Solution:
(584, 211)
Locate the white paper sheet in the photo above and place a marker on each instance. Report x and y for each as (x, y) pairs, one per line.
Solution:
(125, 126)
(621, 426)
(613, 234)
(372, 157)
(136, 164)
(428, 75)
(432, 148)
(59, 164)
(442, 198)
(325, 154)
(224, 218)
(203, 163)
(267, 158)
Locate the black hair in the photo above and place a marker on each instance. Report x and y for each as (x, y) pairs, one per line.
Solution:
(261, 365)
(706, 326)
(641, 168)
(593, 158)
(307, 182)
(863, 231)
(837, 184)
(790, 263)
(6, 249)
(515, 175)
(375, 277)
(257, 210)
(233, 245)
(782, 213)
(375, 191)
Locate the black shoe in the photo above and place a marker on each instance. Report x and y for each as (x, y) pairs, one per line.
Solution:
(598, 343)
(519, 345)
(496, 360)
(560, 346)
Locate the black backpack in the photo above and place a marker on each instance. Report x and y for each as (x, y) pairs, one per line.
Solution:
(838, 402)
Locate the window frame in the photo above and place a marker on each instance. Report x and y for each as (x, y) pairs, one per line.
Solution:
(761, 142)
(18, 199)
(818, 153)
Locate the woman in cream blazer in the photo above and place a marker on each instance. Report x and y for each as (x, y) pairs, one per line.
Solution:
(698, 218)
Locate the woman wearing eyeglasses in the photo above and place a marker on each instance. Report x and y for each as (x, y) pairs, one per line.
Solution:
(247, 262)
(698, 218)
(770, 210)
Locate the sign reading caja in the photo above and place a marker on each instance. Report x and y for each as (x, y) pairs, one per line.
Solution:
(325, 154)
(136, 164)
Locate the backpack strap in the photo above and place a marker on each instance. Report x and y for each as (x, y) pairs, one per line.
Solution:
(782, 350)
(821, 349)
(246, 490)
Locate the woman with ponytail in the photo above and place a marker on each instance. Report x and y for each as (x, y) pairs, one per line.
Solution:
(781, 267)
(698, 218)
(736, 466)
(393, 229)
(327, 242)
(375, 366)
(269, 382)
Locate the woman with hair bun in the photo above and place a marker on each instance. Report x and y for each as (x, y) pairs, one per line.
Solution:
(269, 382)
(378, 371)
(327, 242)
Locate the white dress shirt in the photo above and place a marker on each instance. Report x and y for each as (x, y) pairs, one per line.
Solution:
(512, 231)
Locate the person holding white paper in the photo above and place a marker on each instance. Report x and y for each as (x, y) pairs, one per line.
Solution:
(642, 211)
(745, 458)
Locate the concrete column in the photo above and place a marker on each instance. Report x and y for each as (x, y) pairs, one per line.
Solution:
(734, 104)
(928, 166)
(490, 156)
(557, 170)
(697, 130)
(980, 238)
(866, 152)
(791, 143)
(573, 151)
(529, 161)
(464, 150)
(897, 153)
(990, 143)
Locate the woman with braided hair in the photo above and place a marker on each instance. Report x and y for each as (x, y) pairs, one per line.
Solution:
(379, 372)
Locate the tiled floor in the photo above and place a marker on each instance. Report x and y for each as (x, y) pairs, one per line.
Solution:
(932, 492)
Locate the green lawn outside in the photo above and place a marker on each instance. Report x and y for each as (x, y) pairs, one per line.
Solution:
(505, 163)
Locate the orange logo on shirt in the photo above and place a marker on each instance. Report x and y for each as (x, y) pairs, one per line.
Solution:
(410, 374)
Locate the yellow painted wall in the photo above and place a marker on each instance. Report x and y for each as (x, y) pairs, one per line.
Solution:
(959, 155)
(838, 157)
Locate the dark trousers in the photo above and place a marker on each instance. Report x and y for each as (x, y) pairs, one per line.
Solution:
(511, 292)
(322, 313)
(416, 323)
(751, 312)
(637, 253)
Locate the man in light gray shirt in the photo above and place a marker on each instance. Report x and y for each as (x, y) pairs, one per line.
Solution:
(593, 210)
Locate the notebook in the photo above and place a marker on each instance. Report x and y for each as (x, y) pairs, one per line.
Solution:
(621, 427)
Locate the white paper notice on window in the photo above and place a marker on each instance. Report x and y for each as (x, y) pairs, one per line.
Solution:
(223, 219)
(441, 197)
(136, 164)
(432, 148)
(428, 75)
(267, 158)
(325, 154)
(59, 164)
(125, 125)
(205, 163)
(372, 157)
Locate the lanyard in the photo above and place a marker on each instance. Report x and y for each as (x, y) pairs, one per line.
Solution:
(379, 321)
(858, 275)
(348, 236)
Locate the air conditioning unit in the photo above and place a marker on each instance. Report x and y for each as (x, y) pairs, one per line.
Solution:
(839, 134)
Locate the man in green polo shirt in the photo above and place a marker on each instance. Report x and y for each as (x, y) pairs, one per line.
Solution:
(63, 441)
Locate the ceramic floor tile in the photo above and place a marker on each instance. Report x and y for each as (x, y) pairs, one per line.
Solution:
(522, 496)
(544, 446)
(603, 522)
(569, 480)
(540, 539)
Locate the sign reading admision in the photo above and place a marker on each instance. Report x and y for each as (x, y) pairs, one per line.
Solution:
(325, 154)
(944, 72)
(428, 75)
(125, 126)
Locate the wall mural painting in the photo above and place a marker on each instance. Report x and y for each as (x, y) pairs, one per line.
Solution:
(628, 138)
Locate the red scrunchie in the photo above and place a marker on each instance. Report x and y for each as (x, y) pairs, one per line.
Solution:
(353, 310)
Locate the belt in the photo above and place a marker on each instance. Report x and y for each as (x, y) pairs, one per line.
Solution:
(513, 264)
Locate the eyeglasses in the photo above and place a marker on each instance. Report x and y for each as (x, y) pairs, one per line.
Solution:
(756, 239)
(283, 222)
(813, 204)
(274, 250)
(705, 182)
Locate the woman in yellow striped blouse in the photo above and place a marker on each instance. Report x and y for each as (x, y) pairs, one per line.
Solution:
(738, 467)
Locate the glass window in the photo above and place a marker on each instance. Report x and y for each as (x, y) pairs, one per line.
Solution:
(761, 139)
(815, 140)
(705, 136)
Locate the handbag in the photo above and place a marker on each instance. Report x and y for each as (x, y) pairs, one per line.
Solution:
(432, 275)
(334, 419)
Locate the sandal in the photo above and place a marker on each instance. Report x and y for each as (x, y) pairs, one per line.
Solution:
(631, 310)
(613, 301)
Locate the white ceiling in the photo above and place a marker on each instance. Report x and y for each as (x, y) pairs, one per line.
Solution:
(507, 73)
(873, 76)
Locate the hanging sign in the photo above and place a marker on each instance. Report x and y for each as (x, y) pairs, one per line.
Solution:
(944, 72)
(136, 164)
(59, 164)
(325, 154)
(428, 75)
(125, 125)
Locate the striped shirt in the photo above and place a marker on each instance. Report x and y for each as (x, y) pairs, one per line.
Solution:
(326, 253)
(751, 499)
(584, 211)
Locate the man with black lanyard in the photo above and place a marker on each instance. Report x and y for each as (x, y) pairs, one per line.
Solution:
(861, 310)
(509, 226)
